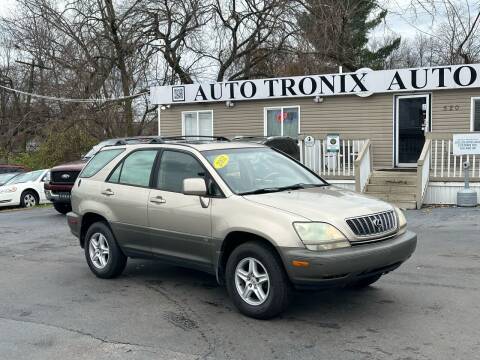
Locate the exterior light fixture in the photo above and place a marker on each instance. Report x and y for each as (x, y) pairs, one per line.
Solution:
(318, 99)
(229, 103)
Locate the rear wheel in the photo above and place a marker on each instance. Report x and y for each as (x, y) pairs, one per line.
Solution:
(104, 256)
(28, 199)
(257, 282)
(365, 282)
(62, 208)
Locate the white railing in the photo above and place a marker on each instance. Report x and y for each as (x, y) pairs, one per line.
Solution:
(446, 165)
(335, 164)
(363, 167)
(423, 171)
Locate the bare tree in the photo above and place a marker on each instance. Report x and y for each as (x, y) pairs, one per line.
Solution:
(219, 39)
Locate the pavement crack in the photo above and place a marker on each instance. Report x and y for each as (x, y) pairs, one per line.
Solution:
(185, 313)
(76, 331)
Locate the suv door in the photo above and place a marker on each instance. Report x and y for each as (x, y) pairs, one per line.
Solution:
(180, 225)
(126, 193)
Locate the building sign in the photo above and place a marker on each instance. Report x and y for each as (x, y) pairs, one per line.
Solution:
(333, 143)
(363, 82)
(309, 141)
(466, 144)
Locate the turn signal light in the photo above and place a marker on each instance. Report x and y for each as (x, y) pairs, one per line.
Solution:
(300, 263)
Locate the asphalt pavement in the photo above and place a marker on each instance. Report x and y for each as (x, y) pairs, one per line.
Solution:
(53, 307)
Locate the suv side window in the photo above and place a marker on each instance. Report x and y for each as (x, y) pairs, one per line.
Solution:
(99, 161)
(135, 169)
(175, 166)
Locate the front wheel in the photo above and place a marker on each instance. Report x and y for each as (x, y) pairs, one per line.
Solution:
(257, 282)
(28, 199)
(62, 208)
(104, 256)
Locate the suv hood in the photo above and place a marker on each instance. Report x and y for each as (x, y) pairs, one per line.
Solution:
(322, 203)
(71, 166)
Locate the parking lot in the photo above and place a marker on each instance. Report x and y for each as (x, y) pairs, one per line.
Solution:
(52, 307)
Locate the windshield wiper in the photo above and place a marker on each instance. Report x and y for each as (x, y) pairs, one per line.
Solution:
(282, 188)
(261, 191)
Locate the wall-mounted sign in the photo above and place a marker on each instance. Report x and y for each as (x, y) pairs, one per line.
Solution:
(364, 82)
(466, 144)
(309, 141)
(333, 143)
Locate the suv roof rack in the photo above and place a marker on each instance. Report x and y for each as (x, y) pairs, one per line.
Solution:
(188, 138)
(170, 139)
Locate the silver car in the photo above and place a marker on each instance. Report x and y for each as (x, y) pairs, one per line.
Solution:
(260, 221)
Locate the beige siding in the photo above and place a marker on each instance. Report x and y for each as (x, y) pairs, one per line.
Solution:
(351, 116)
(456, 120)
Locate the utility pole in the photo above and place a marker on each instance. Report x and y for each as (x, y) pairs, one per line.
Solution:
(33, 64)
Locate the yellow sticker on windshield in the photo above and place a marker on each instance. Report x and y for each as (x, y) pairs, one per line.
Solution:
(221, 161)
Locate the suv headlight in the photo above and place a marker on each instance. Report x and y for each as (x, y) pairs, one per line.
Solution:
(320, 236)
(402, 221)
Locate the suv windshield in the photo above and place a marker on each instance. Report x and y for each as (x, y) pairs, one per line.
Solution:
(260, 170)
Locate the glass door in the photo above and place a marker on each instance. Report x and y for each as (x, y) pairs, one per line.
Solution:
(412, 123)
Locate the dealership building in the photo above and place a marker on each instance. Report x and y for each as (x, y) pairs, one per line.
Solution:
(389, 133)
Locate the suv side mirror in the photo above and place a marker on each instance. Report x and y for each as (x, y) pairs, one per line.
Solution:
(194, 186)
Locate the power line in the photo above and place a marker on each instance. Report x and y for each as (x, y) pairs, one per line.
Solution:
(62, 99)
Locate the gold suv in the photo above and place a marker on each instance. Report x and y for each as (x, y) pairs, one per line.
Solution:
(259, 220)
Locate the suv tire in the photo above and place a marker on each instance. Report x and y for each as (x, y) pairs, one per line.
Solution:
(28, 199)
(104, 256)
(256, 269)
(62, 208)
(365, 282)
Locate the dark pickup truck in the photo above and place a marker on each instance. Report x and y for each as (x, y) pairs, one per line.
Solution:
(60, 179)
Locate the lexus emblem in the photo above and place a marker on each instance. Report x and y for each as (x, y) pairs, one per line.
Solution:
(378, 224)
(65, 176)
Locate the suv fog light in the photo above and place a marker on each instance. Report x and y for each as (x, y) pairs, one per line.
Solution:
(329, 246)
(320, 236)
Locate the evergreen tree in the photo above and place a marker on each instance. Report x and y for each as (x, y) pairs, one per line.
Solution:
(338, 31)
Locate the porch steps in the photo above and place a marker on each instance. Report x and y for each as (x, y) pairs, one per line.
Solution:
(396, 187)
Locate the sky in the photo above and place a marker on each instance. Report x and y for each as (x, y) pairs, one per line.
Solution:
(399, 21)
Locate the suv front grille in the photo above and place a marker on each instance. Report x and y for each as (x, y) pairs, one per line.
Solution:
(64, 177)
(373, 225)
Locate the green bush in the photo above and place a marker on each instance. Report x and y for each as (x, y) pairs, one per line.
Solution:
(59, 147)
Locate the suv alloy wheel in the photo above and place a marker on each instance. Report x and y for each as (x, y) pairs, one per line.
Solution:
(103, 255)
(257, 282)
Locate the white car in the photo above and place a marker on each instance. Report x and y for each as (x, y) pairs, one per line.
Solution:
(24, 189)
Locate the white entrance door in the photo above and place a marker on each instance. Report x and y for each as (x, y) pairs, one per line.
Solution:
(412, 122)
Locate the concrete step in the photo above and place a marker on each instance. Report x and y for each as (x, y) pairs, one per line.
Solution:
(398, 180)
(394, 173)
(392, 188)
(402, 204)
(393, 196)
(405, 204)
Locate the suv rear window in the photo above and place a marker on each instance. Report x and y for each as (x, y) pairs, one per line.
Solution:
(99, 161)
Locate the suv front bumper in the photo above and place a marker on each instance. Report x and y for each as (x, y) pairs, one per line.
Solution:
(342, 266)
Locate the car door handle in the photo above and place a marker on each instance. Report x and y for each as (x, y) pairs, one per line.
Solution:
(108, 192)
(158, 200)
